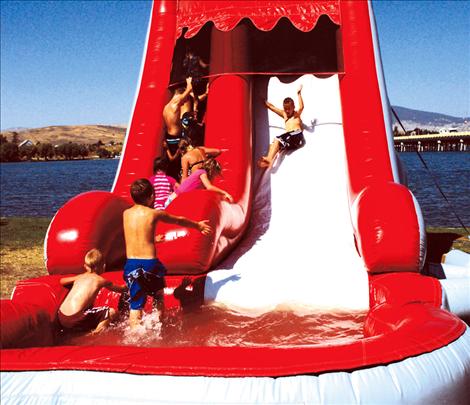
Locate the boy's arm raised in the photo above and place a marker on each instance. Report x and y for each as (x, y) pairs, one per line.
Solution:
(189, 89)
(301, 101)
(201, 226)
(202, 97)
(274, 108)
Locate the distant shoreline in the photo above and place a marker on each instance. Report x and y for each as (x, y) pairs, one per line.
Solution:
(118, 157)
(62, 160)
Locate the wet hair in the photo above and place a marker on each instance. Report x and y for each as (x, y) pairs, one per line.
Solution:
(184, 144)
(141, 190)
(288, 101)
(160, 164)
(212, 167)
(94, 260)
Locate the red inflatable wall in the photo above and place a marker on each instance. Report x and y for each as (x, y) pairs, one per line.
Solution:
(383, 212)
(100, 221)
(404, 319)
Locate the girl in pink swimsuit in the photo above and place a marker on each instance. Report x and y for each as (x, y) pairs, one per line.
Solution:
(201, 179)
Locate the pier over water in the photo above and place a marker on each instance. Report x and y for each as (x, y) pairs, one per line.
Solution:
(439, 142)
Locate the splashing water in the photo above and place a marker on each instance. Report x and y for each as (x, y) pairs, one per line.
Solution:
(219, 326)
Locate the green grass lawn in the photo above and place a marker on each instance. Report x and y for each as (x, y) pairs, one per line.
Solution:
(21, 250)
(22, 239)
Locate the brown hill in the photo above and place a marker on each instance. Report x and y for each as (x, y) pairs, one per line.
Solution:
(82, 134)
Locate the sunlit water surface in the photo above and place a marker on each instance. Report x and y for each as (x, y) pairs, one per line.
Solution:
(40, 189)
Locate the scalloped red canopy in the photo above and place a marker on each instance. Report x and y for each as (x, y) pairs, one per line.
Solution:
(226, 14)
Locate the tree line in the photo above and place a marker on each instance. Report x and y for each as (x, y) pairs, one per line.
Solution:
(10, 151)
(416, 131)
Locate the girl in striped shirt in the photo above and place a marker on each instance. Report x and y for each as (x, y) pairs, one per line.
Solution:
(163, 184)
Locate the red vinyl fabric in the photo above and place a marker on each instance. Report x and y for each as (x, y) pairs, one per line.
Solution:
(226, 14)
(386, 221)
(100, 222)
(144, 134)
(387, 229)
(405, 318)
(20, 323)
(89, 220)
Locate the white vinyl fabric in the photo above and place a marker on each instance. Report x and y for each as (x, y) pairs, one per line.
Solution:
(439, 377)
(299, 248)
(456, 285)
(458, 258)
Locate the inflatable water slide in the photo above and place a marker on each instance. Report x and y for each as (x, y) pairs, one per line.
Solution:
(330, 227)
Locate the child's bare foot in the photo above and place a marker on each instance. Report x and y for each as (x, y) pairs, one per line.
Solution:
(264, 162)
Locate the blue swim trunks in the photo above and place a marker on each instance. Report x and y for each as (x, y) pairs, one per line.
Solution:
(143, 277)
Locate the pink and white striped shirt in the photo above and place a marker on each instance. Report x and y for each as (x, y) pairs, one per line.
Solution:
(163, 185)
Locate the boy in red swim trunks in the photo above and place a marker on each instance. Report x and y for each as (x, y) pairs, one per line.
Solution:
(143, 272)
(77, 311)
(293, 138)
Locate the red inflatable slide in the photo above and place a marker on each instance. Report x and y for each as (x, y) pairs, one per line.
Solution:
(406, 333)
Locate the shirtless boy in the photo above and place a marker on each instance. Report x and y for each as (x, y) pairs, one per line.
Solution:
(293, 138)
(77, 311)
(172, 117)
(143, 272)
(172, 110)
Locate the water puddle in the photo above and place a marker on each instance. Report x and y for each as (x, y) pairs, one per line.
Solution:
(218, 326)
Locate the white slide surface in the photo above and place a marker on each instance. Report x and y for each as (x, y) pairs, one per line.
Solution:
(299, 247)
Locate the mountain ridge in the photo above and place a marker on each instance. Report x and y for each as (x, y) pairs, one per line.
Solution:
(412, 119)
(81, 134)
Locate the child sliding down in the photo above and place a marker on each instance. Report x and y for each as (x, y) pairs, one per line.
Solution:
(293, 138)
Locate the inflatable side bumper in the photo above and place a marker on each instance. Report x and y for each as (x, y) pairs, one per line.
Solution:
(90, 220)
(387, 220)
(387, 229)
(24, 325)
(29, 318)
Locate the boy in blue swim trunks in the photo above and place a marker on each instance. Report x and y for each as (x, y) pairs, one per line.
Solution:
(143, 272)
(293, 138)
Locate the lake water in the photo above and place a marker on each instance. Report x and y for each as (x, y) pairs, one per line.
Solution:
(41, 188)
(451, 171)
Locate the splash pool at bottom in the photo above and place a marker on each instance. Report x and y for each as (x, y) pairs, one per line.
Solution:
(219, 326)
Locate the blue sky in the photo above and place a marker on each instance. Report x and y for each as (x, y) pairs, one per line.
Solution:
(78, 62)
